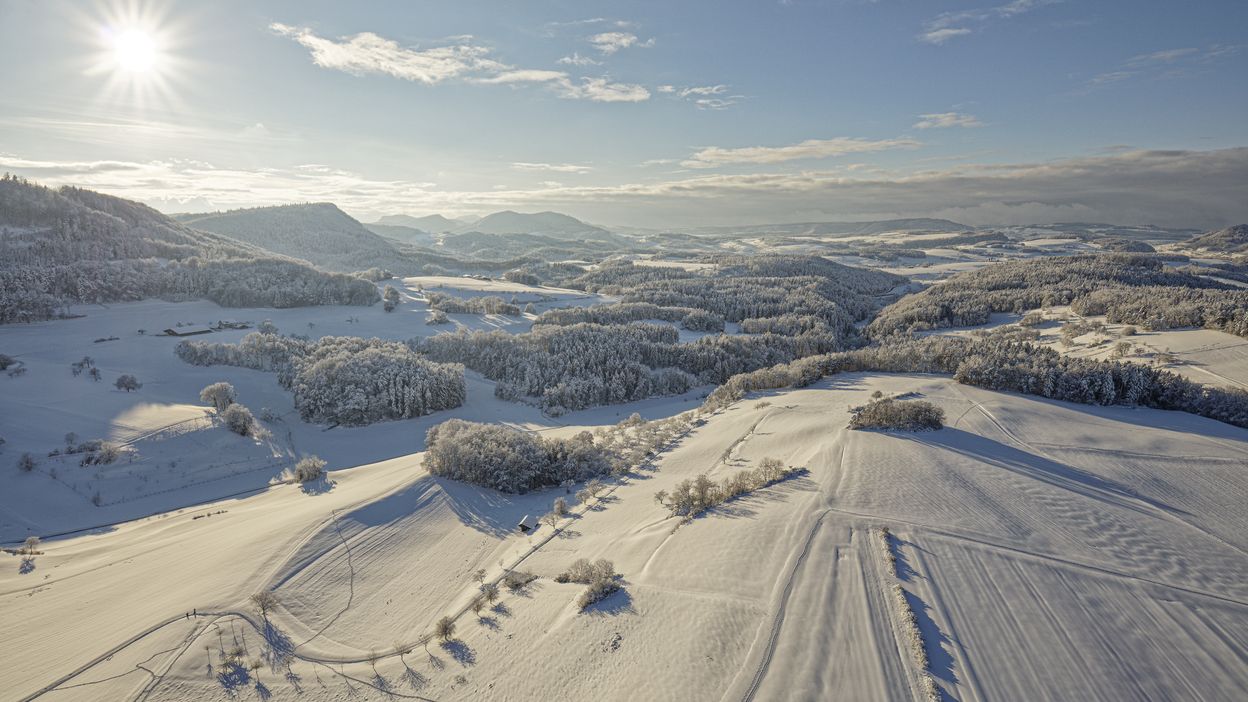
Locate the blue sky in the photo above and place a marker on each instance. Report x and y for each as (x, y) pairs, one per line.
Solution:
(645, 113)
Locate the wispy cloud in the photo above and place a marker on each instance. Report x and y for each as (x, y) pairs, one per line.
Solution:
(368, 53)
(950, 25)
(1166, 62)
(1165, 56)
(553, 167)
(706, 97)
(610, 42)
(577, 60)
(946, 120)
(713, 156)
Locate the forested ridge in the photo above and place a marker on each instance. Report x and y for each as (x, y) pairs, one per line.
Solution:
(1128, 288)
(70, 246)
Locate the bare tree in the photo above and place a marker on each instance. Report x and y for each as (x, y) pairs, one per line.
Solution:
(264, 601)
(31, 543)
(560, 508)
(26, 463)
(445, 628)
(128, 383)
(490, 590)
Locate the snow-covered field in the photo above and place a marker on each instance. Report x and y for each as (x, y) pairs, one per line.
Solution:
(175, 453)
(1050, 552)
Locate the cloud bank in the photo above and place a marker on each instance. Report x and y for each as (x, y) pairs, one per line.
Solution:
(1203, 189)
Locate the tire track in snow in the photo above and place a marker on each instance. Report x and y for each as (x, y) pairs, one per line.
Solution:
(778, 620)
(1036, 555)
(350, 582)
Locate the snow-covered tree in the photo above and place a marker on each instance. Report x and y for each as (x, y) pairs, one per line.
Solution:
(128, 383)
(238, 419)
(219, 395)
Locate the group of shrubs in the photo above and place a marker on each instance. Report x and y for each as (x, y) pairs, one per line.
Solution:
(599, 576)
(900, 415)
(236, 417)
(510, 460)
(693, 497)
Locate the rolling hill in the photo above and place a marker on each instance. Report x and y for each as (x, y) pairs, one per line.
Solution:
(552, 224)
(74, 246)
(1229, 240)
(319, 233)
(434, 223)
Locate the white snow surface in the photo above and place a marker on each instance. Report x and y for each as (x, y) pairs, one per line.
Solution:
(1050, 551)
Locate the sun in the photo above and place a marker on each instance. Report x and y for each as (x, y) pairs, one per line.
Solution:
(134, 51)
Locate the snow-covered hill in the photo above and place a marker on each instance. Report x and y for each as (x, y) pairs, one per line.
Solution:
(319, 233)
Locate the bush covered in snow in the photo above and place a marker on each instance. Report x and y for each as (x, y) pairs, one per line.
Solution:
(900, 415)
(219, 395)
(510, 460)
(692, 497)
(238, 419)
(309, 469)
(600, 576)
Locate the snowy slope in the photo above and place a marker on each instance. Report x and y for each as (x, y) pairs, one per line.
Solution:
(1050, 551)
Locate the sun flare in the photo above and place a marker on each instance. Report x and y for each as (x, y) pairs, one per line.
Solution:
(134, 51)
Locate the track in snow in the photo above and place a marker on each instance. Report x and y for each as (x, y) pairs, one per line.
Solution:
(778, 621)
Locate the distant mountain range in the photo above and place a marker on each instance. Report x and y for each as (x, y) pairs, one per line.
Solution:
(834, 228)
(434, 224)
(550, 224)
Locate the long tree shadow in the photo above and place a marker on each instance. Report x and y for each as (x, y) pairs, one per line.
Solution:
(935, 642)
(1059, 475)
(905, 571)
(461, 652)
(278, 647)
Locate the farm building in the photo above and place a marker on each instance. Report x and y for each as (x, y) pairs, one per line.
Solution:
(188, 330)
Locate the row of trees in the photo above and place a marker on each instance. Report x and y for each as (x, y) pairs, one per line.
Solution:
(999, 362)
(624, 313)
(489, 304)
